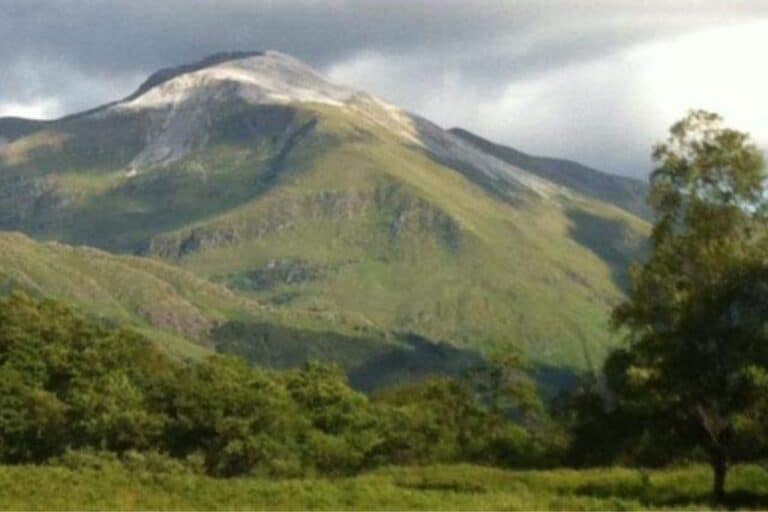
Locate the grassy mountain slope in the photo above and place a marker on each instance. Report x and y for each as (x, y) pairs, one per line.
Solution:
(377, 228)
(190, 317)
(351, 211)
(166, 303)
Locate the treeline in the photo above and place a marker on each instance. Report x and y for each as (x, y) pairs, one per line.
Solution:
(70, 385)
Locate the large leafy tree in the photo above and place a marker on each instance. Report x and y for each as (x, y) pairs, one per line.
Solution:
(697, 312)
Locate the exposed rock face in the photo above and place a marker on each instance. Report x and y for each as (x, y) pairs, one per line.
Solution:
(406, 215)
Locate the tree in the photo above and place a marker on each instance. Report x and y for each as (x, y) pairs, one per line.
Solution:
(696, 314)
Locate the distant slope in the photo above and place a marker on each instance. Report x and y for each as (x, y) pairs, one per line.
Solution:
(627, 193)
(162, 300)
(323, 202)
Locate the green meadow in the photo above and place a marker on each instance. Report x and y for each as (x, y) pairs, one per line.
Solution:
(446, 487)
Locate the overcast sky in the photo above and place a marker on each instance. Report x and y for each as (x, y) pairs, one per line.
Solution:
(595, 81)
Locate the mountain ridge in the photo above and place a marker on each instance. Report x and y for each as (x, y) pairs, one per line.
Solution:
(625, 192)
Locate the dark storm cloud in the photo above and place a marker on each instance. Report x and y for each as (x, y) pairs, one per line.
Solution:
(63, 56)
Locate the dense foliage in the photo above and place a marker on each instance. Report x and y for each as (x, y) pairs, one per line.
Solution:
(73, 386)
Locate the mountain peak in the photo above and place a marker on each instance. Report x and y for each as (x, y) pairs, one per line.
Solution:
(165, 74)
(257, 77)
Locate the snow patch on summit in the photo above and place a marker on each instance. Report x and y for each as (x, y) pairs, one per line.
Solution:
(264, 79)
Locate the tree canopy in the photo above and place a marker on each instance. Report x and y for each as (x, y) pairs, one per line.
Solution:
(70, 384)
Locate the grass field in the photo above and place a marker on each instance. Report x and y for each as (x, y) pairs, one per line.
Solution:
(457, 487)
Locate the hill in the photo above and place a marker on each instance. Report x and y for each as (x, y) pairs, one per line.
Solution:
(191, 318)
(255, 172)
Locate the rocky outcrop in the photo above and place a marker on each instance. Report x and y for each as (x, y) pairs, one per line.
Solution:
(405, 215)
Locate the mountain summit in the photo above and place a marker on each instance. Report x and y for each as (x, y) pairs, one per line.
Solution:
(311, 198)
(181, 100)
(260, 77)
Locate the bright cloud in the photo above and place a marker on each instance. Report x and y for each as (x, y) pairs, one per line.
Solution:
(606, 111)
(44, 108)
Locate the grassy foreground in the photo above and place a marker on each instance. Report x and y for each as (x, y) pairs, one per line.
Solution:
(453, 487)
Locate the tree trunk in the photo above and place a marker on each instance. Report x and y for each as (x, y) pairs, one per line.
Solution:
(720, 469)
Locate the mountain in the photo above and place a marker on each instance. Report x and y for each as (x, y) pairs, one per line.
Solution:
(624, 192)
(253, 171)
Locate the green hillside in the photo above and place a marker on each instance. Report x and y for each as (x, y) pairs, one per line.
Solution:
(358, 214)
(191, 317)
(167, 303)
